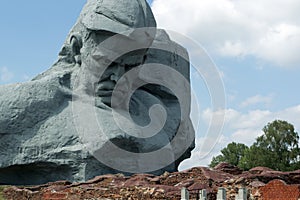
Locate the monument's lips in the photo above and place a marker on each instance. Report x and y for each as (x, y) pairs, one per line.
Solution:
(117, 100)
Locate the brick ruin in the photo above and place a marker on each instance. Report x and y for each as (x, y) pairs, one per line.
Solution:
(261, 183)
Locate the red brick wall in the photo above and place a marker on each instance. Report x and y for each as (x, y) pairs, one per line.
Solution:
(279, 190)
(54, 196)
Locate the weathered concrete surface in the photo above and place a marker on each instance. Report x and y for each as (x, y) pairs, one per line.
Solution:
(39, 138)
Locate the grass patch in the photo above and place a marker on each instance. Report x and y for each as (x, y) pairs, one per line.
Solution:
(1, 192)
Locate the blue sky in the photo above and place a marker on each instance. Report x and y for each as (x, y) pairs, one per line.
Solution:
(255, 45)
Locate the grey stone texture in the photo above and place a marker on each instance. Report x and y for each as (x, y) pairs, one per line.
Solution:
(203, 194)
(221, 195)
(39, 137)
(185, 195)
(242, 194)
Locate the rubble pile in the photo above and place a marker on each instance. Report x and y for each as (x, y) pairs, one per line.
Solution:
(165, 186)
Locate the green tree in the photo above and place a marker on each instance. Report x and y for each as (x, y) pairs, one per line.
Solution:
(256, 156)
(216, 160)
(230, 154)
(277, 148)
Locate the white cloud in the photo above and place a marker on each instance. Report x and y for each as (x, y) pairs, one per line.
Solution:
(239, 127)
(267, 29)
(234, 49)
(280, 44)
(258, 99)
(249, 125)
(5, 75)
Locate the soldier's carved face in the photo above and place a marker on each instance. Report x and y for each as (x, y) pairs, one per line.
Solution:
(110, 68)
(114, 72)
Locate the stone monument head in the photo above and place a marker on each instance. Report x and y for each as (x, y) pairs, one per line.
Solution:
(70, 124)
(131, 23)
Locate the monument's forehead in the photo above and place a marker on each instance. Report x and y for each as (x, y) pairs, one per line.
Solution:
(117, 16)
